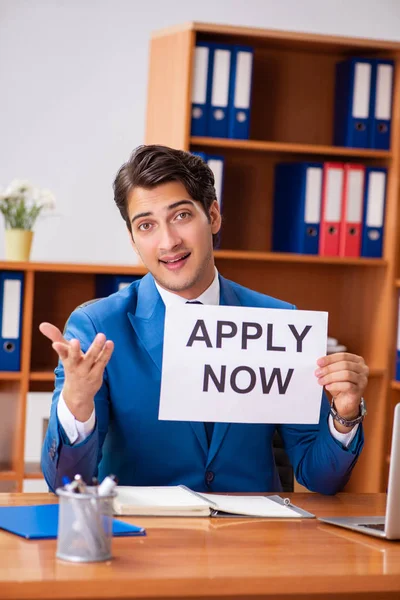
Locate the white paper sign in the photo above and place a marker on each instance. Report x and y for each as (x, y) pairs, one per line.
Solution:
(234, 364)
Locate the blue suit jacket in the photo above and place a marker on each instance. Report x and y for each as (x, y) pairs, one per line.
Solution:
(132, 443)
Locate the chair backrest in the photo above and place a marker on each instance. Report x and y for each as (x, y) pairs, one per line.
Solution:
(285, 469)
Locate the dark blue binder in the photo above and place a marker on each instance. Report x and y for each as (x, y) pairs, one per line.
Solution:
(381, 104)
(41, 522)
(297, 207)
(240, 86)
(218, 90)
(352, 120)
(110, 284)
(374, 212)
(11, 306)
(200, 88)
(202, 155)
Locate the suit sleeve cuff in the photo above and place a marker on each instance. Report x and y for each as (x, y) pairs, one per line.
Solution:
(344, 438)
(76, 431)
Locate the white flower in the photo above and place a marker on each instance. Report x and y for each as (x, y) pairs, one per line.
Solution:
(17, 187)
(47, 200)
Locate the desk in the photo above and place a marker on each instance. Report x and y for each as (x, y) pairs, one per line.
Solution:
(214, 558)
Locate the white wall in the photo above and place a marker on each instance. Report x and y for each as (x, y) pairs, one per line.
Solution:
(73, 77)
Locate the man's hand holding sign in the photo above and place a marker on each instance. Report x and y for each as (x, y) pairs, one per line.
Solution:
(345, 377)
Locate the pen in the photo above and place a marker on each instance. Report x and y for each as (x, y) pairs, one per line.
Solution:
(70, 486)
(81, 484)
(107, 485)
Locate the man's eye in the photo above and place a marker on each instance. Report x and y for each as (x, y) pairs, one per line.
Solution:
(183, 215)
(144, 226)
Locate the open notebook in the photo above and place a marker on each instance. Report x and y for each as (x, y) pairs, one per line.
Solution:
(180, 501)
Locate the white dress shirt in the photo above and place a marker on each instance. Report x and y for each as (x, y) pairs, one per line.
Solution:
(78, 431)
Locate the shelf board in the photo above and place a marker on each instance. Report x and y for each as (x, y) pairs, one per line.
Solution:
(74, 268)
(395, 385)
(8, 475)
(10, 375)
(33, 471)
(289, 148)
(221, 254)
(284, 39)
(397, 283)
(302, 258)
(41, 376)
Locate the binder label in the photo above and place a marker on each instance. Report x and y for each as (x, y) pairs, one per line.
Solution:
(243, 80)
(313, 195)
(383, 101)
(220, 82)
(11, 309)
(217, 167)
(355, 192)
(376, 199)
(361, 93)
(199, 87)
(334, 195)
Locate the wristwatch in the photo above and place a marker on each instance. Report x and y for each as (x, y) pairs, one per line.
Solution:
(346, 422)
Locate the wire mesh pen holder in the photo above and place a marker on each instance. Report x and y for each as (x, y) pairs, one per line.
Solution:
(84, 525)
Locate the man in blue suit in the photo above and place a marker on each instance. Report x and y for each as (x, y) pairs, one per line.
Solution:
(104, 416)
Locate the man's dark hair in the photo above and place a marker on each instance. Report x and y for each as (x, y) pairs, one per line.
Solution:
(152, 165)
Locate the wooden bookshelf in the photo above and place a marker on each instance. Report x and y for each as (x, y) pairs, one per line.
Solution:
(292, 119)
(359, 294)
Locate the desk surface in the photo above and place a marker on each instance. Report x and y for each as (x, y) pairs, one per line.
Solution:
(210, 558)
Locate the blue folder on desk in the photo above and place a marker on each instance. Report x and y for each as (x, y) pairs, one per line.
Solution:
(40, 522)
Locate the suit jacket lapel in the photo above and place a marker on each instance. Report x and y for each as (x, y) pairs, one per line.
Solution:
(148, 320)
(227, 297)
(148, 323)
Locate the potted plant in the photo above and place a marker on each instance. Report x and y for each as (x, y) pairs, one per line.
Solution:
(21, 204)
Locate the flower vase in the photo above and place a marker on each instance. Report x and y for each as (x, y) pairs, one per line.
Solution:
(18, 244)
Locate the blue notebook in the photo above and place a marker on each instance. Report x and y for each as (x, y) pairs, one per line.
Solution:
(40, 522)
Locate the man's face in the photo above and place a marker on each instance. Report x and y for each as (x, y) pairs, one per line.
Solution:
(173, 236)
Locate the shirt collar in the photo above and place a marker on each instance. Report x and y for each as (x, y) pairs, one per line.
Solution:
(209, 296)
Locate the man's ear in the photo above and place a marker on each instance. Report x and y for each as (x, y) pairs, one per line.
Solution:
(215, 217)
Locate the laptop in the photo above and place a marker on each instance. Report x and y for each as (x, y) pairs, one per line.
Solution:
(387, 527)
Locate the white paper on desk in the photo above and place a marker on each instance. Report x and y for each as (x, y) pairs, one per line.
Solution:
(259, 506)
(254, 371)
